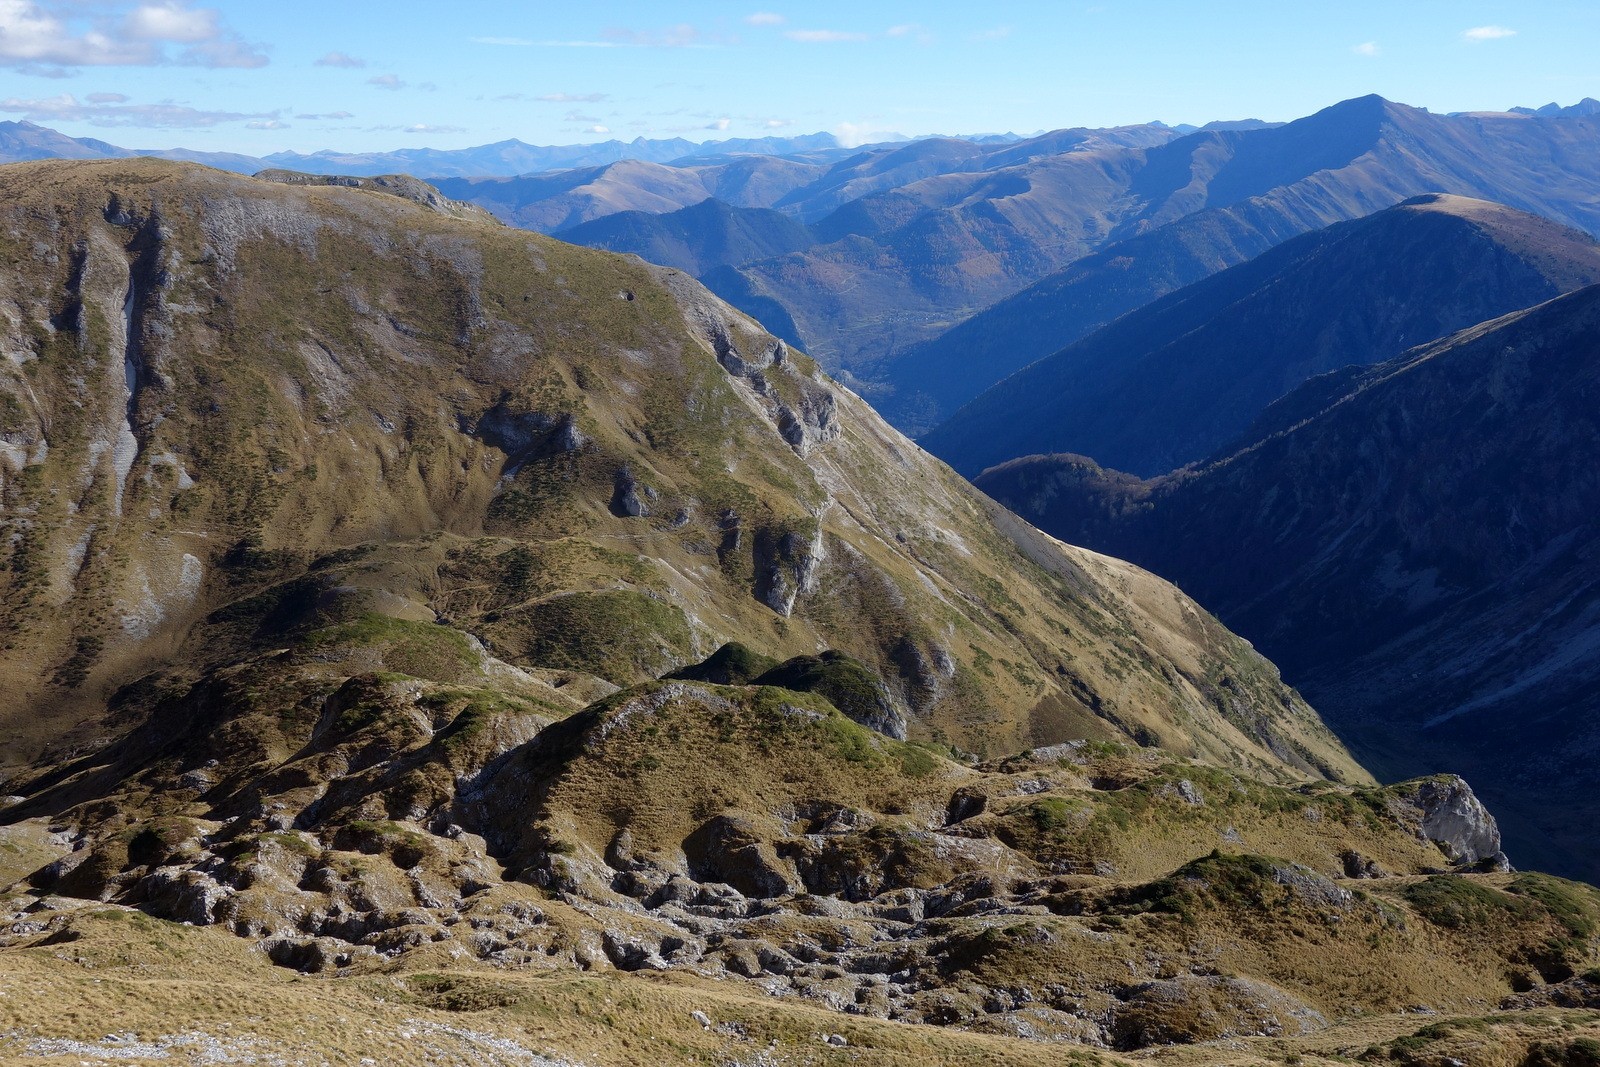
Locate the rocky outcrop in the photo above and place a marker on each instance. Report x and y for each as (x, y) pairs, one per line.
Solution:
(798, 400)
(628, 496)
(787, 564)
(1449, 814)
(1194, 1008)
(402, 185)
(526, 435)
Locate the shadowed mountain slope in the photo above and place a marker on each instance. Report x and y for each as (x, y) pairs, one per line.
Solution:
(1415, 543)
(1174, 381)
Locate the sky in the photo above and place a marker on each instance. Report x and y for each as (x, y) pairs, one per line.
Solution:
(258, 76)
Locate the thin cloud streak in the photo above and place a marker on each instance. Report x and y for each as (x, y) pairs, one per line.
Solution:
(823, 36)
(106, 112)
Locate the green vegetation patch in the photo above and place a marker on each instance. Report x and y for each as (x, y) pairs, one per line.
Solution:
(619, 634)
(844, 681)
(418, 649)
(1571, 904)
(1456, 902)
(1580, 1052)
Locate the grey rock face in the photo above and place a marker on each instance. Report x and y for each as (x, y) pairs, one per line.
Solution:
(1450, 815)
(626, 498)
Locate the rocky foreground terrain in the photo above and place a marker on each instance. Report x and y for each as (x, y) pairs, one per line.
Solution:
(429, 642)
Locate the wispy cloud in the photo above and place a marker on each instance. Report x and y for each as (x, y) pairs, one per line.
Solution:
(854, 134)
(682, 35)
(573, 98)
(578, 116)
(1366, 48)
(112, 109)
(340, 59)
(765, 18)
(718, 124)
(423, 127)
(386, 81)
(921, 34)
(994, 33)
(41, 38)
(596, 129)
(1487, 33)
(823, 36)
(326, 115)
(266, 124)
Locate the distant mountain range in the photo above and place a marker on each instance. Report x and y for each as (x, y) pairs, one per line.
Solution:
(1234, 198)
(939, 267)
(21, 141)
(1582, 109)
(1181, 377)
(922, 272)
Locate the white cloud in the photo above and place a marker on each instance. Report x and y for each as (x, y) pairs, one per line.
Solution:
(718, 124)
(567, 98)
(776, 124)
(854, 134)
(508, 42)
(41, 37)
(222, 52)
(765, 18)
(822, 36)
(266, 124)
(171, 21)
(100, 109)
(326, 115)
(386, 81)
(1487, 33)
(578, 116)
(1366, 48)
(423, 127)
(922, 34)
(597, 129)
(340, 59)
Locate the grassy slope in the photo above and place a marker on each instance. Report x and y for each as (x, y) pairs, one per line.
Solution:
(310, 359)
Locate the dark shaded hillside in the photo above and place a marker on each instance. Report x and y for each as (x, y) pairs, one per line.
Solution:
(1174, 381)
(1418, 549)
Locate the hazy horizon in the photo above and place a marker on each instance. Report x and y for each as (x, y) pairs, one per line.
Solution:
(259, 79)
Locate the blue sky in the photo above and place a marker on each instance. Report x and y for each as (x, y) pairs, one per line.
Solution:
(261, 76)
